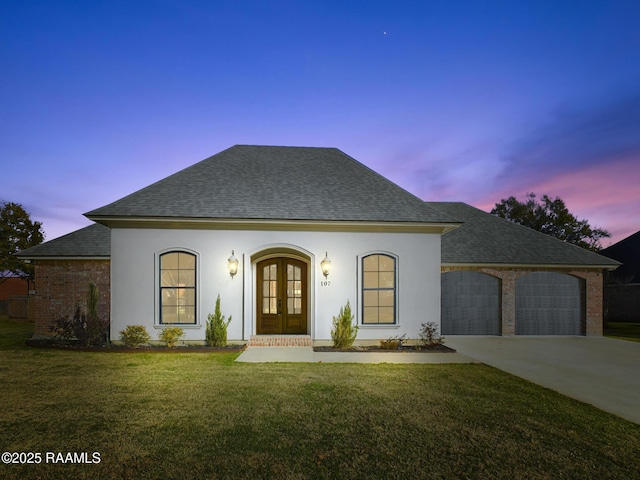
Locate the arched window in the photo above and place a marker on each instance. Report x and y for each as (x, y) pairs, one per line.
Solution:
(378, 290)
(177, 288)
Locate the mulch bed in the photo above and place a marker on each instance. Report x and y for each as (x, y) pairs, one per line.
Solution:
(146, 349)
(378, 349)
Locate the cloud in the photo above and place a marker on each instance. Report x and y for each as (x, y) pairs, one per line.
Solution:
(576, 138)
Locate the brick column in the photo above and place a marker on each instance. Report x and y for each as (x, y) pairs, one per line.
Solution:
(594, 290)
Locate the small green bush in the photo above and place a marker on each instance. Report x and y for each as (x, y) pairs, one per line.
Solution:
(344, 332)
(134, 336)
(171, 336)
(217, 327)
(429, 335)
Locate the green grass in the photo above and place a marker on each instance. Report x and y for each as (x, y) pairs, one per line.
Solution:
(203, 416)
(623, 330)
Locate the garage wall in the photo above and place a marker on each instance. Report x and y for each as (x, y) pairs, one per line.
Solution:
(509, 275)
(62, 285)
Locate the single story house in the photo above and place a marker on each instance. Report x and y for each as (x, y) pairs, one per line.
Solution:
(287, 235)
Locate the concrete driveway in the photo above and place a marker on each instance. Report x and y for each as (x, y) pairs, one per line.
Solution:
(601, 371)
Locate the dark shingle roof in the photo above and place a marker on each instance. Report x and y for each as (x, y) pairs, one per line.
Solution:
(486, 239)
(92, 241)
(626, 251)
(275, 183)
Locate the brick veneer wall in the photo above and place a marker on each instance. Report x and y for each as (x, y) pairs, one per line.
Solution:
(593, 293)
(62, 285)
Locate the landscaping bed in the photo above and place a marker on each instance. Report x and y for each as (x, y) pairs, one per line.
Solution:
(378, 349)
(57, 345)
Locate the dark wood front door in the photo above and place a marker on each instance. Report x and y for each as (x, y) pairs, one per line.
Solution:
(282, 296)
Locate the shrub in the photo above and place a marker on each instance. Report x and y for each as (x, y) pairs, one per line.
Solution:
(217, 327)
(393, 343)
(86, 328)
(344, 332)
(429, 335)
(65, 327)
(171, 336)
(134, 336)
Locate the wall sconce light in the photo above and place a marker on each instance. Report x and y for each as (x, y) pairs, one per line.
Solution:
(325, 265)
(232, 264)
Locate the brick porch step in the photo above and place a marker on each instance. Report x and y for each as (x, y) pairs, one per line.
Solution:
(280, 341)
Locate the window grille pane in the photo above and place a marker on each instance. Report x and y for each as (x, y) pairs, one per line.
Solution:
(386, 264)
(169, 278)
(188, 314)
(170, 315)
(370, 263)
(387, 279)
(187, 278)
(385, 315)
(169, 261)
(187, 261)
(370, 280)
(370, 298)
(370, 315)
(386, 298)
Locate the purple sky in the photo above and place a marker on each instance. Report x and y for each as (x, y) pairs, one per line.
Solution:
(454, 101)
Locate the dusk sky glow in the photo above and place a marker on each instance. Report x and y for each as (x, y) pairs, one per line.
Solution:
(458, 101)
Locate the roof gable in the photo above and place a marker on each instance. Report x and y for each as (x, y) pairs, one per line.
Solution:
(487, 239)
(275, 183)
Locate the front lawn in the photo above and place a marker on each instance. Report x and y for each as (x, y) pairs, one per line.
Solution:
(623, 330)
(154, 415)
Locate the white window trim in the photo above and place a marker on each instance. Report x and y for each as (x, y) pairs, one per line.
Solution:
(156, 289)
(360, 306)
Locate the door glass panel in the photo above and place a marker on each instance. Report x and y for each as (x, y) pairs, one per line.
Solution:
(294, 290)
(270, 289)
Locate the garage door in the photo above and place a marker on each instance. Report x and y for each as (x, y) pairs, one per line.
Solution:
(470, 303)
(549, 303)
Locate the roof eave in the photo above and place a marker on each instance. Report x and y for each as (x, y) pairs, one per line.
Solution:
(64, 257)
(273, 224)
(532, 265)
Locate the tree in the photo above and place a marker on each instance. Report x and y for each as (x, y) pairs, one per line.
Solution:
(551, 217)
(17, 232)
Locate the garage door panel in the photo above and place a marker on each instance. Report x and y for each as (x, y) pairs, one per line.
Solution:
(549, 303)
(470, 303)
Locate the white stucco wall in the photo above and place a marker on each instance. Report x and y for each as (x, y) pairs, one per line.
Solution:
(134, 258)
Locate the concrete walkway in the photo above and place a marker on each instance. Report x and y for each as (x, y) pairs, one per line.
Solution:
(601, 371)
(306, 354)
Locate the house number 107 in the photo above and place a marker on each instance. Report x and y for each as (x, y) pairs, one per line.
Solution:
(325, 283)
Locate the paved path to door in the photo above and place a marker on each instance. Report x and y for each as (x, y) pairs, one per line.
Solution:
(601, 371)
(306, 354)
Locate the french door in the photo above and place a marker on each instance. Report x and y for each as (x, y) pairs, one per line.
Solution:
(282, 296)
